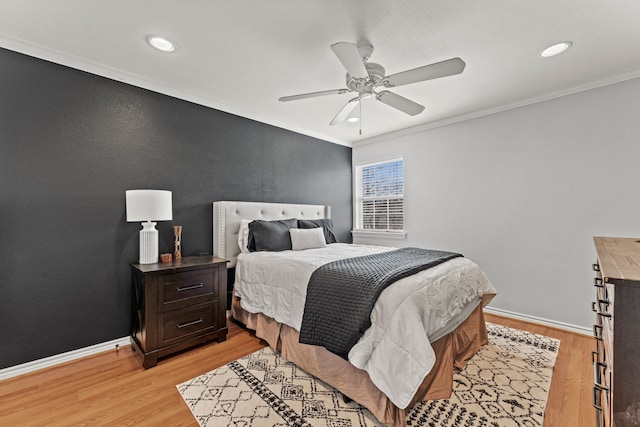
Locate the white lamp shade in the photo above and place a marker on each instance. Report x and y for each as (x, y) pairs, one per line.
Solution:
(149, 205)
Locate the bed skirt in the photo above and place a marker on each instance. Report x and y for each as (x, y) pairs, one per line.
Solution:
(452, 352)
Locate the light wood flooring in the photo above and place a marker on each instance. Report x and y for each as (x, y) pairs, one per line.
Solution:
(112, 389)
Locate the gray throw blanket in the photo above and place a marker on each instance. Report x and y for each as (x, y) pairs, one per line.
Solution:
(341, 294)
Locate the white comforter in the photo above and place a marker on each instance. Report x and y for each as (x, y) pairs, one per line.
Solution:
(395, 351)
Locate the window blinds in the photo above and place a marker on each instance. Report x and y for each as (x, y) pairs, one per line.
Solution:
(380, 196)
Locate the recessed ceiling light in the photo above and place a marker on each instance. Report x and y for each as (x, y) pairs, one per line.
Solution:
(556, 49)
(161, 43)
(353, 119)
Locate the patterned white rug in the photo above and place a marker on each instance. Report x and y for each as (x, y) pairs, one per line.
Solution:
(505, 384)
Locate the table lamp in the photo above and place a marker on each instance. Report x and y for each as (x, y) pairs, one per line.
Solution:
(146, 206)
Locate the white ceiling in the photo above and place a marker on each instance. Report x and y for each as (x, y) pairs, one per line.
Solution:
(240, 56)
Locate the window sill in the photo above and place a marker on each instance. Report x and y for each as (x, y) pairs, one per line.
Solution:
(399, 235)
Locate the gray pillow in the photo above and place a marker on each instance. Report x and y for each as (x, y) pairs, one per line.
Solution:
(271, 235)
(326, 224)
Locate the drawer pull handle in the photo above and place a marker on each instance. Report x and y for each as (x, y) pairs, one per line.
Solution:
(188, 288)
(596, 376)
(596, 308)
(597, 335)
(597, 282)
(184, 325)
(596, 267)
(595, 401)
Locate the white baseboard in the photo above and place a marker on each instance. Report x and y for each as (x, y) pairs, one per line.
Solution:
(47, 362)
(527, 318)
(14, 371)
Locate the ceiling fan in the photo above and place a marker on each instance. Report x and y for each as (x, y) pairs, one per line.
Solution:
(364, 77)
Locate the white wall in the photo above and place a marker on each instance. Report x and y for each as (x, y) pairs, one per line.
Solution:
(522, 192)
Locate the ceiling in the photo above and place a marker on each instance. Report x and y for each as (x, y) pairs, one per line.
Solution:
(240, 56)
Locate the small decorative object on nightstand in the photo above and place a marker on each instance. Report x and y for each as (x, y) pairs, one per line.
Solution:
(177, 232)
(177, 305)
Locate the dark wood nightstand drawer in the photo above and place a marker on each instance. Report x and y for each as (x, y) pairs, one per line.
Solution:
(188, 284)
(180, 324)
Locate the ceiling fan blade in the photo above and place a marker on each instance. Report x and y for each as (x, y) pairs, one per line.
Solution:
(399, 102)
(348, 54)
(344, 113)
(427, 72)
(313, 94)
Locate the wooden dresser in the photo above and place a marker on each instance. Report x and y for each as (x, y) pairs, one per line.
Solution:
(616, 361)
(177, 305)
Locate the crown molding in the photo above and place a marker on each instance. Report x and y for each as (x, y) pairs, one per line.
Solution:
(83, 64)
(618, 78)
(102, 70)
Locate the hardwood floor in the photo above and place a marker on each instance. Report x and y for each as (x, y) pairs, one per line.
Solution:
(111, 388)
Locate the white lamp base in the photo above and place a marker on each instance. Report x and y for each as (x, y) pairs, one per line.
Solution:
(148, 243)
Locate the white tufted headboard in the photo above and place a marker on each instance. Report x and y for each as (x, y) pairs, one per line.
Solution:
(228, 215)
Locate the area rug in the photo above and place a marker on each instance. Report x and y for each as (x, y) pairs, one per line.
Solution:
(505, 384)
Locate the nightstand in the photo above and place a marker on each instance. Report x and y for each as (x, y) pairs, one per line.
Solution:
(177, 305)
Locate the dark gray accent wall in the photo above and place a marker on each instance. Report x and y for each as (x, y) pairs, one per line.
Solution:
(71, 143)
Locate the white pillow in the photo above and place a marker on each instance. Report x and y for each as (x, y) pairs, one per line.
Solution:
(308, 238)
(243, 235)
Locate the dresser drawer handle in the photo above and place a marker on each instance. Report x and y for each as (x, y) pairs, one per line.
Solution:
(596, 375)
(597, 282)
(594, 400)
(595, 307)
(596, 267)
(188, 288)
(184, 325)
(597, 335)
(600, 324)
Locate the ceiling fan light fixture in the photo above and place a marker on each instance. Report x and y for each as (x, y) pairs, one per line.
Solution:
(161, 43)
(555, 49)
(353, 119)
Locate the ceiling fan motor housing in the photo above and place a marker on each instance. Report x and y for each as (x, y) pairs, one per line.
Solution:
(376, 74)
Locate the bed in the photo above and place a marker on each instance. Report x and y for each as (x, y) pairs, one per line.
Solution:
(400, 359)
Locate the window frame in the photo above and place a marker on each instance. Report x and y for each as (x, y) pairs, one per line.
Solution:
(358, 229)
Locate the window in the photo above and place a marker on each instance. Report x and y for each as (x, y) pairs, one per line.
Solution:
(380, 196)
